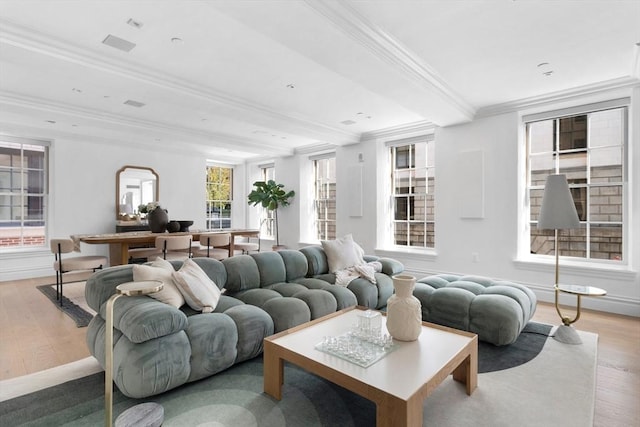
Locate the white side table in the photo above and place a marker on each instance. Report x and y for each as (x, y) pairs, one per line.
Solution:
(565, 333)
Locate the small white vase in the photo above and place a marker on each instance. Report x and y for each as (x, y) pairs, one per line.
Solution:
(404, 312)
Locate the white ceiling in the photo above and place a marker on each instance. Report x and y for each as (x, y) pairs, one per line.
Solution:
(224, 91)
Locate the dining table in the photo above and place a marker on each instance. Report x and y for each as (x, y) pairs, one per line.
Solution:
(119, 243)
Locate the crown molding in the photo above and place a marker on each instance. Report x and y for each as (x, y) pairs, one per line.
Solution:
(32, 40)
(401, 131)
(388, 49)
(314, 148)
(38, 133)
(209, 139)
(559, 96)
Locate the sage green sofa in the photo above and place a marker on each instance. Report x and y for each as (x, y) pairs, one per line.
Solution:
(158, 347)
(367, 294)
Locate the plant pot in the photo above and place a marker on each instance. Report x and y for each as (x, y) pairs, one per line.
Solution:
(158, 220)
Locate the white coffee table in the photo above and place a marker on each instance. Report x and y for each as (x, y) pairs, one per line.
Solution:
(397, 384)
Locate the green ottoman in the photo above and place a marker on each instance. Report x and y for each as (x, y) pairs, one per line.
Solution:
(496, 310)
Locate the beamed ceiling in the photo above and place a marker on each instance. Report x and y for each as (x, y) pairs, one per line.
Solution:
(239, 80)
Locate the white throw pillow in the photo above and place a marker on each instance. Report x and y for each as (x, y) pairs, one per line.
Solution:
(342, 253)
(199, 291)
(160, 270)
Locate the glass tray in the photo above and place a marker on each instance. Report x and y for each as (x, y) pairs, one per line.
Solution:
(355, 349)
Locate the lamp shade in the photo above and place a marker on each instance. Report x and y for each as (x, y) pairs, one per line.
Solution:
(558, 210)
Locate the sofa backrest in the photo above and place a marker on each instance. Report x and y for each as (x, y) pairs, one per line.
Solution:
(316, 260)
(295, 264)
(242, 273)
(102, 284)
(270, 267)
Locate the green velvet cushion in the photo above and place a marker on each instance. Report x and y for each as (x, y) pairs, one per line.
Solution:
(295, 263)
(316, 259)
(242, 273)
(142, 318)
(213, 338)
(271, 268)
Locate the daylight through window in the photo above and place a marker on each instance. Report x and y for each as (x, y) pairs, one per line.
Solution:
(23, 194)
(413, 194)
(219, 196)
(324, 172)
(590, 150)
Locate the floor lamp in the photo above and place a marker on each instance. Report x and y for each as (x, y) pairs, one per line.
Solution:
(558, 212)
(147, 414)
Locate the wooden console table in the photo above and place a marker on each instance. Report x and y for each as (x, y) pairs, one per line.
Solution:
(119, 243)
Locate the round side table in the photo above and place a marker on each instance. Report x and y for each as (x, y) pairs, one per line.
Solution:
(565, 333)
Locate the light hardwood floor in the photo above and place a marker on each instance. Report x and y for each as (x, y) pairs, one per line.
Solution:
(35, 335)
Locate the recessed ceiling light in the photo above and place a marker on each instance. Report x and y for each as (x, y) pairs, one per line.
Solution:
(177, 40)
(118, 43)
(53, 122)
(77, 90)
(291, 86)
(548, 73)
(542, 64)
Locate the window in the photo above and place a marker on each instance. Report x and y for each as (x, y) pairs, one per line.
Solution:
(413, 194)
(219, 197)
(324, 174)
(589, 148)
(23, 193)
(267, 217)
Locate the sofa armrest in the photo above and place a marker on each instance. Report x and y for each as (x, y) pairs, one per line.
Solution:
(390, 266)
(142, 318)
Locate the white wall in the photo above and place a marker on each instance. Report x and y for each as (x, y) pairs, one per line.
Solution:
(486, 245)
(82, 195)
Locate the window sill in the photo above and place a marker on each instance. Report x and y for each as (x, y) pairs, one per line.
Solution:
(419, 254)
(7, 253)
(578, 268)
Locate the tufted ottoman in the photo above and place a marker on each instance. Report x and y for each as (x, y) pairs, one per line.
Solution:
(495, 310)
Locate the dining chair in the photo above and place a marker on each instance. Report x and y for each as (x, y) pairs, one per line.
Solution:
(245, 244)
(176, 247)
(213, 245)
(72, 264)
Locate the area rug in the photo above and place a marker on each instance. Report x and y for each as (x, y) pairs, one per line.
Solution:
(73, 302)
(532, 394)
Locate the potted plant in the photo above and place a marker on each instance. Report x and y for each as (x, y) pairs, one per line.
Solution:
(270, 196)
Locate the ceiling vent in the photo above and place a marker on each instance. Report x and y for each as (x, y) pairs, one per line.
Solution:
(134, 103)
(118, 43)
(134, 23)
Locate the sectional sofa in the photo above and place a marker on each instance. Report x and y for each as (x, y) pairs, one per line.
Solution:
(159, 346)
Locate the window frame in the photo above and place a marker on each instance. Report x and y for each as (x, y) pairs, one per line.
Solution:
(526, 221)
(211, 203)
(44, 194)
(430, 173)
(330, 233)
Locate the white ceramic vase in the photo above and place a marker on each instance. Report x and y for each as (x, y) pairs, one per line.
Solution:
(404, 312)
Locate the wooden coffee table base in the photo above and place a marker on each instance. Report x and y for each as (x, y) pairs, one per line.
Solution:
(390, 409)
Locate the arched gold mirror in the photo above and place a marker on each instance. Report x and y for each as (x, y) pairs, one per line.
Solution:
(135, 185)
